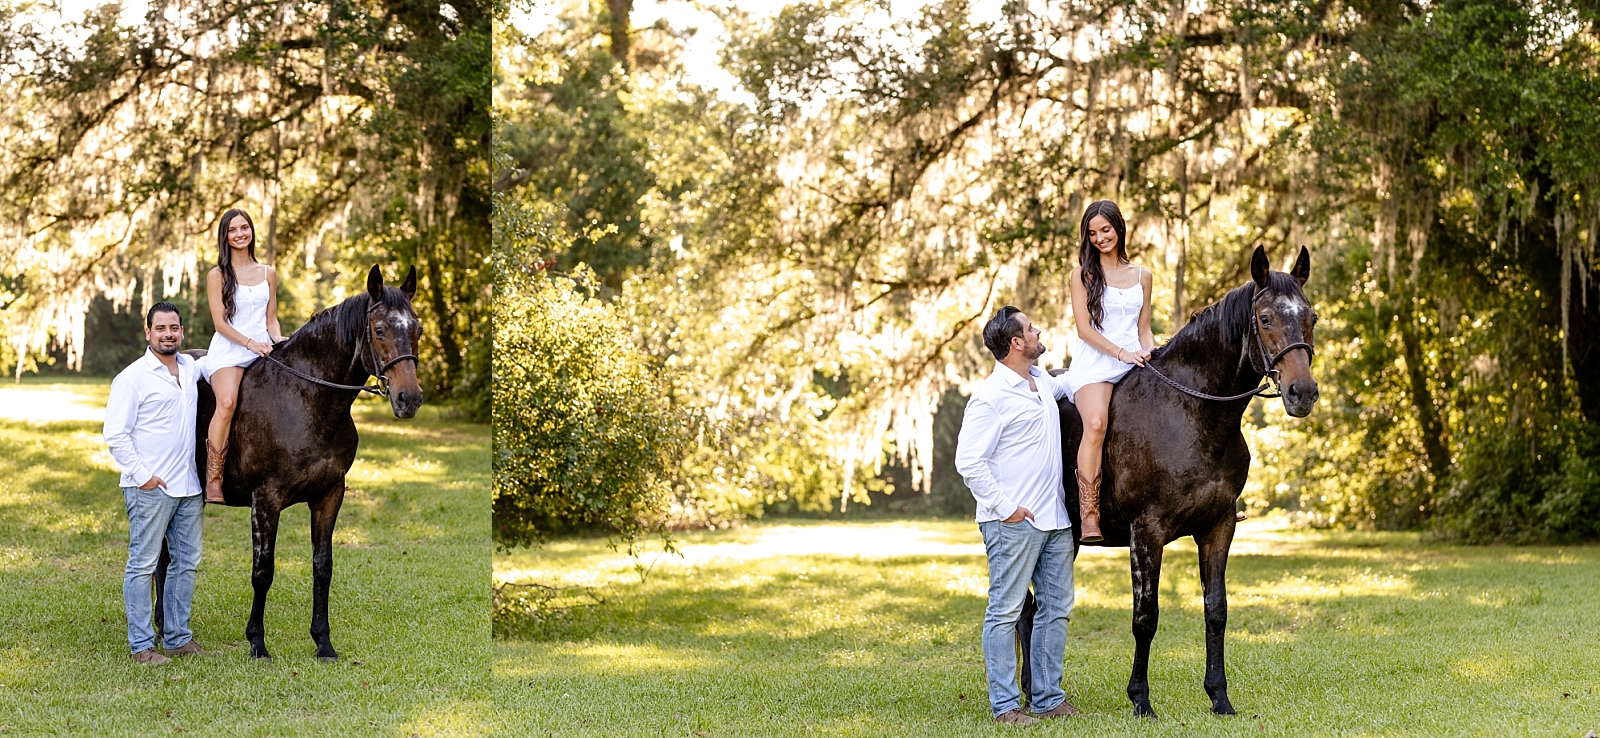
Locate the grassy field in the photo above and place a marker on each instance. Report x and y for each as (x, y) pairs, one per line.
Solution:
(409, 608)
(873, 629)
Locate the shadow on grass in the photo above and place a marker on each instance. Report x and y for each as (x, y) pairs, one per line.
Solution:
(1328, 634)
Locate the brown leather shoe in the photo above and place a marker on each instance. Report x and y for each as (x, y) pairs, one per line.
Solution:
(149, 656)
(1014, 717)
(1089, 504)
(1062, 710)
(191, 648)
(214, 459)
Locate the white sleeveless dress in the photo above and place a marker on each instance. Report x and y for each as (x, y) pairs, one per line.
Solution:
(249, 318)
(1120, 325)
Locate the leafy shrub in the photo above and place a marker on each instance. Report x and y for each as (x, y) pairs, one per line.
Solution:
(1516, 487)
(584, 433)
(1572, 494)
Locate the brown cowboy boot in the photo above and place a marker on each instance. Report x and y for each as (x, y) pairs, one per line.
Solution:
(1089, 504)
(214, 459)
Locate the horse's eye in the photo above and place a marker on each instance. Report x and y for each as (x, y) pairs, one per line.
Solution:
(1266, 319)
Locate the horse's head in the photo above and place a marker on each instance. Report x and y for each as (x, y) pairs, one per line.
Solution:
(1282, 321)
(392, 333)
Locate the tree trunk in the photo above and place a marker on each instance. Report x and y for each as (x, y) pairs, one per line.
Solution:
(1432, 426)
(619, 11)
(437, 289)
(1583, 341)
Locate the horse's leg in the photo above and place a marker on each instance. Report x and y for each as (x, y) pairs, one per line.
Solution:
(159, 582)
(1030, 607)
(264, 539)
(324, 512)
(1145, 550)
(1213, 570)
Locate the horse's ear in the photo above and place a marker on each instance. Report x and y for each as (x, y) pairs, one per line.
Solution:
(1301, 271)
(1259, 267)
(410, 285)
(375, 283)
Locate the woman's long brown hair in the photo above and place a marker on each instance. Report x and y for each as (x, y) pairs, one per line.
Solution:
(230, 282)
(1094, 278)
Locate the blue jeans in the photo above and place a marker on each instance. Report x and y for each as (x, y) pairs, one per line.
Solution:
(152, 516)
(1017, 553)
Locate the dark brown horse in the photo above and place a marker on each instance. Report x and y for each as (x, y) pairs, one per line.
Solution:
(1175, 463)
(293, 439)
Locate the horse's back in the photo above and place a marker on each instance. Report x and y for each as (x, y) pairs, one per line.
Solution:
(1153, 449)
(275, 441)
(1193, 451)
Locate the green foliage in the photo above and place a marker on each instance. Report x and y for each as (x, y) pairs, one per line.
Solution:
(1572, 493)
(651, 220)
(364, 140)
(1458, 212)
(1514, 489)
(813, 262)
(581, 141)
(584, 434)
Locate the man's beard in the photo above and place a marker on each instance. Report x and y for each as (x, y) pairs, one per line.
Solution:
(1037, 351)
(156, 347)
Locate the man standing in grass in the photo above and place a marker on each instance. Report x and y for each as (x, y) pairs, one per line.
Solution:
(1009, 453)
(150, 431)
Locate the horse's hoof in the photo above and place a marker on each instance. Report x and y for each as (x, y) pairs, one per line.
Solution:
(1223, 707)
(260, 653)
(328, 659)
(1144, 711)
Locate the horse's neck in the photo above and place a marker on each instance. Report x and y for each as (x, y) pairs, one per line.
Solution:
(321, 355)
(1206, 360)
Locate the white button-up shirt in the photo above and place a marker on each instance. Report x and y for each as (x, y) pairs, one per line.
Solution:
(150, 424)
(1009, 450)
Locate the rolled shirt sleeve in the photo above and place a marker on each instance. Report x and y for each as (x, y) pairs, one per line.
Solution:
(122, 410)
(980, 432)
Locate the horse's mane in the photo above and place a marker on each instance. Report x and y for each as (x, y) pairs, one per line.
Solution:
(346, 321)
(1228, 319)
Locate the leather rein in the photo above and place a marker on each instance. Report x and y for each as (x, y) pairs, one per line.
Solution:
(381, 389)
(1269, 373)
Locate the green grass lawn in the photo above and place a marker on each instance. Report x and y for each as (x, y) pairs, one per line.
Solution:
(761, 631)
(408, 609)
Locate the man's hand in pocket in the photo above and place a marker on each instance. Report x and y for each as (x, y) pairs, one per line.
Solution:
(1017, 516)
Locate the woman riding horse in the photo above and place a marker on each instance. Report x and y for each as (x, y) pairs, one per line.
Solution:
(244, 307)
(1111, 307)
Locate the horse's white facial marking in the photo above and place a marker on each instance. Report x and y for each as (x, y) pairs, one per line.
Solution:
(1289, 307)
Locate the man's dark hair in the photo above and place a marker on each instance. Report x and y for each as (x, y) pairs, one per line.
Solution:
(999, 331)
(162, 307)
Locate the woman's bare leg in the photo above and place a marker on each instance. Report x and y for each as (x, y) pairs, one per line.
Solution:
(225, 385)
(1094, 405)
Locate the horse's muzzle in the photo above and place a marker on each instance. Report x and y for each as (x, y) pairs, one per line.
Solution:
(1299, 397)
(405, 403)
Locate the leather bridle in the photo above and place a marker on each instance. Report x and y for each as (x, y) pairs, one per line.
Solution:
(382, 388)
(1268, 371)
(383, 368)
